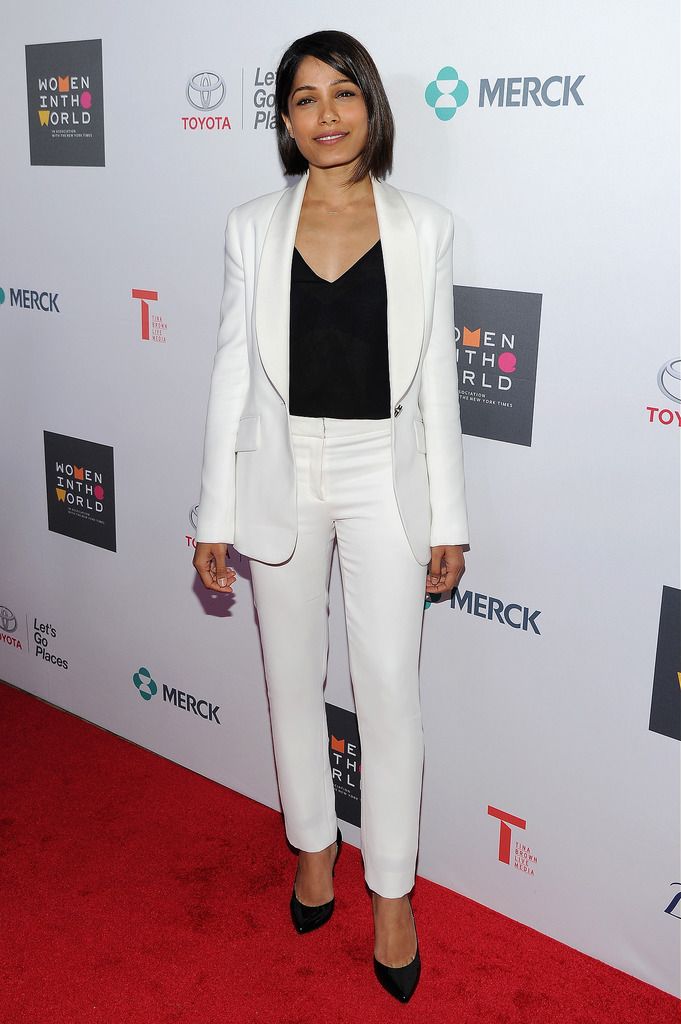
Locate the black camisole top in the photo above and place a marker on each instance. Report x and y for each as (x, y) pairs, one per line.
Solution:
(338, 352)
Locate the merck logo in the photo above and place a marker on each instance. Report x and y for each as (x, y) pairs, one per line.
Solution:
(447, 92)
(517, 616)
(29, 298)
(148, 688)
(671, 907)
(556, 91)
(145, 684)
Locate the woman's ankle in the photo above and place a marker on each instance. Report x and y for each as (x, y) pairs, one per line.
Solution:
(377, 898)
(317, 854)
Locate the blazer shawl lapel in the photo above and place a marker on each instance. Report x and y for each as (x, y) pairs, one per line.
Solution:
(404, 286)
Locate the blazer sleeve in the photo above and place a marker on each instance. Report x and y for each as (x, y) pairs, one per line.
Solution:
(439, 404)
(227, 394)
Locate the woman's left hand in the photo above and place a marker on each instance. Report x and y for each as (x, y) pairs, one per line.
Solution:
(446, 568)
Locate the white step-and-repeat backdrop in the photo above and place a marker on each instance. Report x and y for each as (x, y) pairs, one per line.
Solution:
(550, 679)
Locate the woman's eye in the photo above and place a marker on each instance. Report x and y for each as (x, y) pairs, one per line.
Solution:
(344, 92)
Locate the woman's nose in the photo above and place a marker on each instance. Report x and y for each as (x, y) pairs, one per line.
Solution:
(327, 112)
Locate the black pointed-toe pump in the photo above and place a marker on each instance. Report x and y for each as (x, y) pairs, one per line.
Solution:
(306, 918)
(400, 982)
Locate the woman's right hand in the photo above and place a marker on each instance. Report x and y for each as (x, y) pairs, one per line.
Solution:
(210, 563)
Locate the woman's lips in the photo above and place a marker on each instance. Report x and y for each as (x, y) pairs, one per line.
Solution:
(331, 142)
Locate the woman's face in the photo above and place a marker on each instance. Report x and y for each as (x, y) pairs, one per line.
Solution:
(324, 102)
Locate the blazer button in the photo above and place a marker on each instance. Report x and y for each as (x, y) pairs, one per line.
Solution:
(398, 409)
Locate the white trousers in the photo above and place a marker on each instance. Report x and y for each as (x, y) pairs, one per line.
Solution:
(345, 490)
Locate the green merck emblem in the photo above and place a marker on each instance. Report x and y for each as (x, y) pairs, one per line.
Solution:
(446, 94)
(144, 683)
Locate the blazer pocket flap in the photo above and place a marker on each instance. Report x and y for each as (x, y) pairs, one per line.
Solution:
(420, 432)
(248, 434)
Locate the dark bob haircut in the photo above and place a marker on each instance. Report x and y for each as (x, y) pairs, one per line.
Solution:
(347, 55)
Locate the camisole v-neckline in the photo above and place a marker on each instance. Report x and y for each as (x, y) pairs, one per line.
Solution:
(345, 272)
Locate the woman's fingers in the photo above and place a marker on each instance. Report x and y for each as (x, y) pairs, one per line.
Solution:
(434, 580)
(210, 562)
(446, 568)
(221, 571)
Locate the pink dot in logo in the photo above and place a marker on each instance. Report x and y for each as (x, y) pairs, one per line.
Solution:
(507, 362)
(86, 100)
(99, 492)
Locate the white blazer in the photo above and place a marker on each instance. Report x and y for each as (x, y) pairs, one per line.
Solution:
(248, 480)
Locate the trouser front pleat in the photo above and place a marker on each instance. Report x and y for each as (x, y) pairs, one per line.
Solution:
(345, 492)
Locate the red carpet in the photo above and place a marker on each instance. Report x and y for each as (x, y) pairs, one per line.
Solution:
(134, 890)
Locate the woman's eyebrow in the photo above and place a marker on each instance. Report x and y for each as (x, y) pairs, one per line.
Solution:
(336, 81)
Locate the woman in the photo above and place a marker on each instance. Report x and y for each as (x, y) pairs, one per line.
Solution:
(333, 415)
